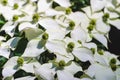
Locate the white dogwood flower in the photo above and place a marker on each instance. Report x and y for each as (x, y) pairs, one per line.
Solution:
(16, 63)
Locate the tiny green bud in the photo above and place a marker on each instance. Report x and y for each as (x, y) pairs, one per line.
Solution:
(105, 17)
(35, 17)
(20, 61)
(61, 63)
(71, 25)
(93, 50)
(15, 6)
(45, 36)
(15, 17)
(113, 67)
(100, 52)
(113, 64)
(79, 42)
(4, 2)
(70, 46)
(68, 10)
(54, 17)
(113, 61)
(93, 22)
(91, 25)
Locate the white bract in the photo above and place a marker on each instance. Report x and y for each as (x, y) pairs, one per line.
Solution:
(34, 48)
(4, 51)
(101, 72)
(52, 28)
(83, 54)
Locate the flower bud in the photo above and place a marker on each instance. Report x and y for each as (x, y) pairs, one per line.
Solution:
(113, 67)
(91, 25)
(93, 22)
(100, 52)
(4, 2)
(71, 25)
(35, 17)
(15, 6)
(113, 64)
(113, 61)
(105, 17)
(68, 10)
(15, 17)
(61, 63)
(45, 36)
(93, 50)
(20, 61)
(70, 46)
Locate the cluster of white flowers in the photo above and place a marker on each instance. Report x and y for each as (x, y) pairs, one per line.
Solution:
(55, 43)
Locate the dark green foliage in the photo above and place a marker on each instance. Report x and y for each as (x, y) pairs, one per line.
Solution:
(78, 74)
(21, 73)
(85, 65)
(41, 27)
(2, 21)
(46, 56)
(54, 4)
(78, 4)
(68, 35)
(20, 47)
(2, 61)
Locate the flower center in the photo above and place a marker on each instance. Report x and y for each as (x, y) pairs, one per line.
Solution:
(105, 17)
(45, 36)
(71, 25)
(93, 50)
(20, 61)
(91, 25)
(100, 52)
(113, 64)
(15, 6)
(61, 63)
(70, 46)
(68, 10)
(15, 17)
(113, 61)
(35, 17)
(4, 2)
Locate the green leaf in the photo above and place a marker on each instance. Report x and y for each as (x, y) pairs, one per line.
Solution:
(2, 22)
(3, 60)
